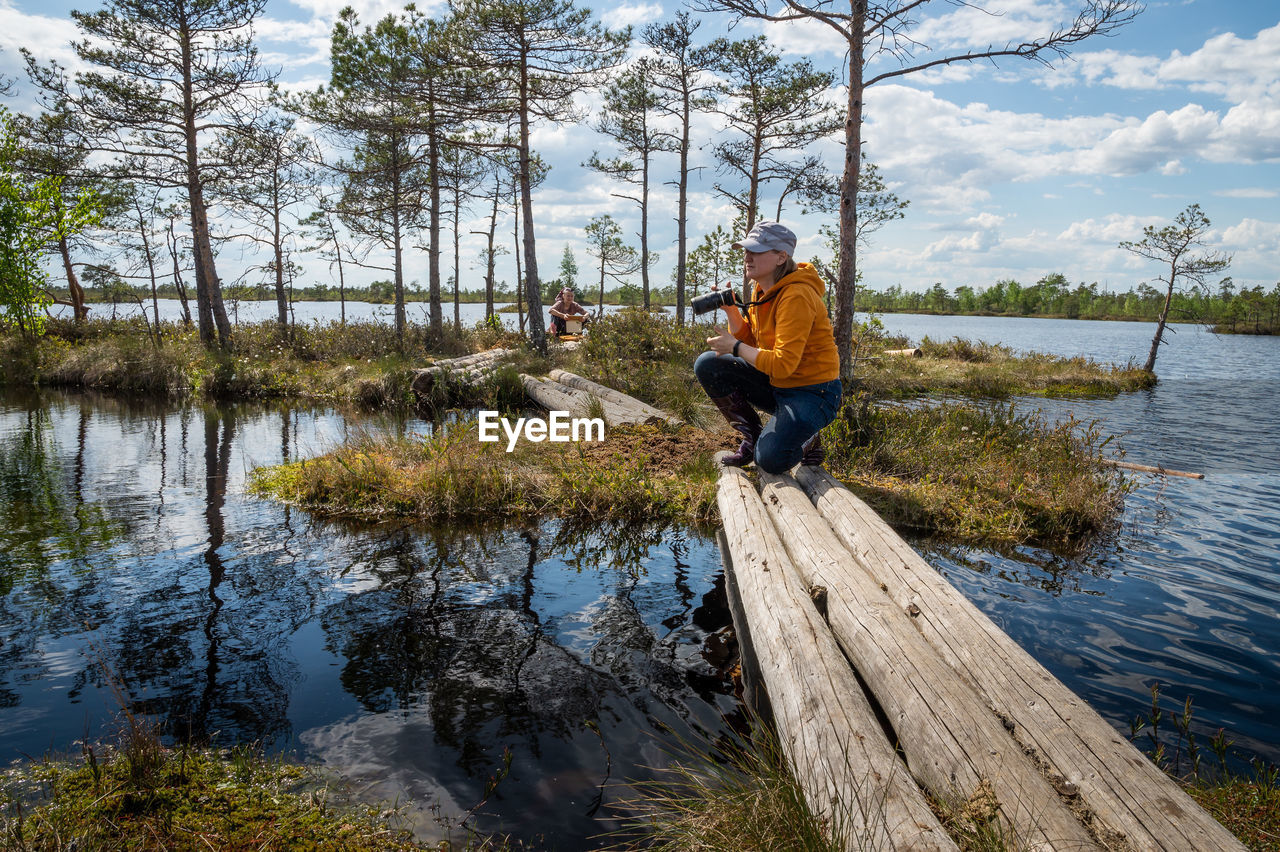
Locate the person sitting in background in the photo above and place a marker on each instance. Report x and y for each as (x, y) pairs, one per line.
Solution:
(781, 358)
(564, 307)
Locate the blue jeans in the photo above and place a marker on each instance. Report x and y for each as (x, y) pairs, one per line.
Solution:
(798, 413)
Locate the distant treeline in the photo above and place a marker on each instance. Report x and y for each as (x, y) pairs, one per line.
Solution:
(1244, 311)
(377, 292)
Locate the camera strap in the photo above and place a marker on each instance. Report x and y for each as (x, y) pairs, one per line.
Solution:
(755, 303)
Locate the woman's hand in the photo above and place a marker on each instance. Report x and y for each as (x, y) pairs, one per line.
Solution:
(733, 316)
(722, 343)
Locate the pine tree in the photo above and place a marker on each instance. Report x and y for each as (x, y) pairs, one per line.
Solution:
(159, 78)
(540, 54)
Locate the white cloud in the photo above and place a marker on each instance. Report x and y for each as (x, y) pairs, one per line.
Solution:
(1153, 143)
(1233, 68)
(370, 11)
(1253, 235)
(978, 234)
(1109, 230)
(950, 156)
(1250, 132)
(294, 44)
(630, 15)
(988, 22)
(1246, 192)
(1105, 67)
(45, 37)
(805, 37)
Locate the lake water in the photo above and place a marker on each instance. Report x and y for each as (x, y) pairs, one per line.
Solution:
(409, 660)
(1188, 594)
(239, 311)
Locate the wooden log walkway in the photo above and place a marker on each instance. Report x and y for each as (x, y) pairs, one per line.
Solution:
(580, 397)
(467, 369)
(559, 391)
(653, 415)
(820, 587)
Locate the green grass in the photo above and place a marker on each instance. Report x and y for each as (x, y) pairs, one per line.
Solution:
(140, 795)
(360, 363)
(980, 369)
(990, 474)
(732, 795)
(454, 476)
(1248, 804)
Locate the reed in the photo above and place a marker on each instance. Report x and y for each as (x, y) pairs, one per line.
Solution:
(980, 369)
(1247, 802)
(360, 363)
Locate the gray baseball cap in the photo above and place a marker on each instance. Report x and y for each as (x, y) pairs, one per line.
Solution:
(768, 236)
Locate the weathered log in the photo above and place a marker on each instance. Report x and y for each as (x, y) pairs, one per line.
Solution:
(425, 380)
(652, 414)
(555, 397)
(473, 358)
(468, 369)
(1124, 790)
(835, 747)
(905, 353)
(1148, 469)
(951, 740)
(617, 412)
(752, 681)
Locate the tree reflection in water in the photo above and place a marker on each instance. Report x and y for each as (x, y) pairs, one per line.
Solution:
(546, 642)
(408, 659)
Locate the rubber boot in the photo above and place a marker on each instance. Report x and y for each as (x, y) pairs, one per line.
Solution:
(742, 417)
(813, 454)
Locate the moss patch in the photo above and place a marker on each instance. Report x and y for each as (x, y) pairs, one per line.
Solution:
(182, 798)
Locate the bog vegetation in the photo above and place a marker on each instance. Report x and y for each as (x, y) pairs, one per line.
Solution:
(954, 466)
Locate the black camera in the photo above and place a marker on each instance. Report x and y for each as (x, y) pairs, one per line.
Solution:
(708, 302)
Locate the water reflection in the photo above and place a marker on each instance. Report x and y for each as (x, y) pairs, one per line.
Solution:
(471, 647)
(1010, 571)
(410, 660)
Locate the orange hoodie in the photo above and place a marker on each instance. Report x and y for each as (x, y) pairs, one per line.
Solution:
(793, 332)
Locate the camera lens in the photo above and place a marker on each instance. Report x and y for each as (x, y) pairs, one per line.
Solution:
(708, 302)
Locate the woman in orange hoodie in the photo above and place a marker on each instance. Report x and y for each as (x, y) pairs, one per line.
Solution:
(780, 358)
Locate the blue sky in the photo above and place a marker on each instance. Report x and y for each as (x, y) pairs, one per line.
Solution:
(1013, 171)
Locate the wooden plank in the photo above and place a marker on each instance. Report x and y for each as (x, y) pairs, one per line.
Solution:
(555, 397)
(1124, 790)
(952, 741)
(654, 415)
(752, 691)
(849, 773)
